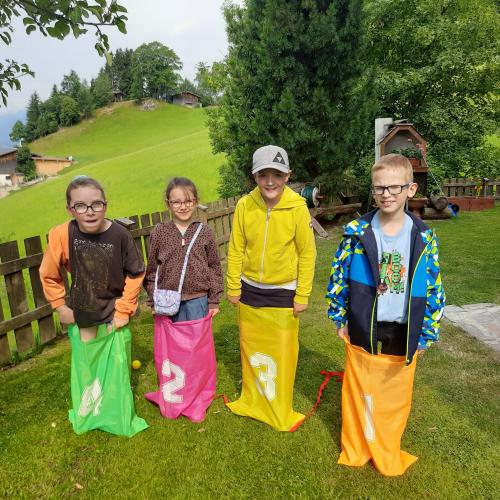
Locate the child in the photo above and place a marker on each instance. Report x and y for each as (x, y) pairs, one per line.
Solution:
(106, 267)
(106, 276)
(271, 263)
(386, 299)
(183, 342)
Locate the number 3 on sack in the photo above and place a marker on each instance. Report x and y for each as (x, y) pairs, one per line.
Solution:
(169, 388)
(265, 381)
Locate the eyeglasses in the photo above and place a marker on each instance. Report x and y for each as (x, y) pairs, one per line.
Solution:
(82, 208)
(396, 189)
(175, 204)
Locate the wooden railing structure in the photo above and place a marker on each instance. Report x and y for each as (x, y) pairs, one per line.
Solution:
(471, 187)
(29, 316)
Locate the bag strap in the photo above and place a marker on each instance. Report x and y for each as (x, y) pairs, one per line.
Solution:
(186, 258)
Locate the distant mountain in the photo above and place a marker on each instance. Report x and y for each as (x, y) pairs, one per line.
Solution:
(7, 121)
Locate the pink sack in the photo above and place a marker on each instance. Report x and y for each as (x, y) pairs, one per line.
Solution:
(186, 367)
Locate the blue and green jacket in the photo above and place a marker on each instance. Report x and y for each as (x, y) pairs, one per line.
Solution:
(352, 288)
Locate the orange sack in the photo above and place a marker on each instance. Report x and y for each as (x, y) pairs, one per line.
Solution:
(376, 400)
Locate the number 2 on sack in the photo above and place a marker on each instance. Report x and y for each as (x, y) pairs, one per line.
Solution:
(169, 388)
(265, 381)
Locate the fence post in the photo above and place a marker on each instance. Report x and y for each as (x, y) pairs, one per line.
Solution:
(16, 293)
(46, 326)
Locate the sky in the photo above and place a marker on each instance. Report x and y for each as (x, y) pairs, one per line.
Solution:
(194, 29)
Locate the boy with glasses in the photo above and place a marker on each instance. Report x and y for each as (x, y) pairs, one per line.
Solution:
(106, 268)
(386, 299)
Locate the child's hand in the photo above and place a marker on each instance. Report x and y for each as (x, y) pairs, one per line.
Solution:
(343, 332)
(117, 323)
(213, 311)
(233, 300)
(299, 308)
(66, 315)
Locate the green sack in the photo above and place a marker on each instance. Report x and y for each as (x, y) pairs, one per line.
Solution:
(100, 383)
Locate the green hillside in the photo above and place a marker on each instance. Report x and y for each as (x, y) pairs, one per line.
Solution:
(132, 152)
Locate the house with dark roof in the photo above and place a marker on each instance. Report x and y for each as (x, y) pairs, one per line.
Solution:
(186, 98)
(9, 176)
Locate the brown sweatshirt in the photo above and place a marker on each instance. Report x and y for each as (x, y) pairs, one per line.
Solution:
(106, 270)
(203, 273)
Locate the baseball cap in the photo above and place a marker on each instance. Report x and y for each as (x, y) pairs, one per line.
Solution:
(270, 157)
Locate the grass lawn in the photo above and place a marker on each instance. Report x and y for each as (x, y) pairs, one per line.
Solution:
(131, 152)
(453, 427)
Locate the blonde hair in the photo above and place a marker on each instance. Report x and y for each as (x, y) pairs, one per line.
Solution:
(395, 162)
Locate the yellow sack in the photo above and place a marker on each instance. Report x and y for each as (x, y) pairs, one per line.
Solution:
(269, 344)
(376, 401)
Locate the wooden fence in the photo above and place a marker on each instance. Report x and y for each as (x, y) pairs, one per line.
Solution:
(471, 187)
(24, 301)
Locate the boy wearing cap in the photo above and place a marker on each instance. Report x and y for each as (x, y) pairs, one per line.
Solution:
(271, 262)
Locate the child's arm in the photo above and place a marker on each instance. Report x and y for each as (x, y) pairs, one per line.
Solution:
(435, 298)
(133, 266)
(306, 247)
(215, 274)
(237, 244)
(55, 256)
(338, 285)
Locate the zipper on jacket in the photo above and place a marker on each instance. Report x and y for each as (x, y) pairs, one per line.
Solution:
(268, 216)
(371, 325)
(409, 305)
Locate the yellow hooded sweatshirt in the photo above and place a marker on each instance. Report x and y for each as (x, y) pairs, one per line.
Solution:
(272, 246)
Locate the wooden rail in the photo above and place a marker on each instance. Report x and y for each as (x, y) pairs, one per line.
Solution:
(472, 187)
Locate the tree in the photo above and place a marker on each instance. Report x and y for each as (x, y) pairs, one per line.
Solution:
(18, 132)
(70, 111)
(25, 163)
(206, 83)
(71, 85)
(32, 116)
(101, 89)
(292, 79)
(436, 63)
(85, 100)
(120, 71)
(57, 19)
(154, 71)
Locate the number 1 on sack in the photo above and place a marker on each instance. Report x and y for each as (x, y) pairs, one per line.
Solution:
(265, 380)
(169, 388)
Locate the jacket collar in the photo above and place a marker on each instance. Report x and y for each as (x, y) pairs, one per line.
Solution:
(361, 228)
(289, 199)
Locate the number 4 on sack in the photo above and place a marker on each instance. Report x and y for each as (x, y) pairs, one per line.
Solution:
(91, 399)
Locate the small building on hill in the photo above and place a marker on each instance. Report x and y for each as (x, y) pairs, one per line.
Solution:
(9, 176)
(50, 165)
(186, 98)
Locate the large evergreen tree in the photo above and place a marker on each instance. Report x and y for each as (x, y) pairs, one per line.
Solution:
(120, 71)
(292, 71)
(32, 116)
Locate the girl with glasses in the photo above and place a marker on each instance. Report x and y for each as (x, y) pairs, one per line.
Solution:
(183, 259)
